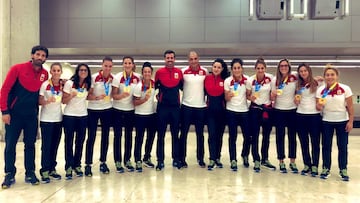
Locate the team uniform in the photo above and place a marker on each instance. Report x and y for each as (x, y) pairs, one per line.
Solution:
(193, 111)
(260, 113)
(74, 121)
(99, 109)
(51, 125)
(308, 121)
(285, 116)
(237, 114)
(124, 116)
(19, 98)
(145, 118)
(334, 117)
(214, 90)
(169, 81)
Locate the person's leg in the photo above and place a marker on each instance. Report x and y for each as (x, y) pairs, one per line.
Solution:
(199, 129)
(186, 114)
(47, 130)
(93, 118)
(129, 125)
(105, 131)
(30, 133)
(12, 134)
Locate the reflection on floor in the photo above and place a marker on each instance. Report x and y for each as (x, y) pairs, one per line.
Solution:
(193, 184)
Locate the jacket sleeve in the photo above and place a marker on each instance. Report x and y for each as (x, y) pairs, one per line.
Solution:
(9, 82)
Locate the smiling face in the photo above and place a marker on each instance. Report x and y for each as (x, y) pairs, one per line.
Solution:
(331, 76)
(193, 60)
(107, 67)
(237, 70)
(217, 68)
(83, 72)
(55, 72)
(169, 60)
(260, 70)
(38, 58)
(284, 68)
(147, 72)
(128, 65)
(304, 73)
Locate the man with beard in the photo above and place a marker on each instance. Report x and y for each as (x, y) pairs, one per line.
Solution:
(19, 107)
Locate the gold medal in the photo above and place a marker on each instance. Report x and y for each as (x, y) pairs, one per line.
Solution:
(57, 98)
(322, 101)
(279, 92)
(107, 98)
(127, 89)
(256, 94)
(80, 94)
(236, 93)
(298, 97)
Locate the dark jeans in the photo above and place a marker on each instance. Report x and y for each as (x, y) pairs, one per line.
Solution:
(167, 115)
(72, 125)
(235, 119)
(105, 120)
(216, 126)
(50, 140)
(309, 125)
(196, 116)
(258, 118)
(285, 119)
(12, 132)
(342, 138)
(142, 123)
(123, 119)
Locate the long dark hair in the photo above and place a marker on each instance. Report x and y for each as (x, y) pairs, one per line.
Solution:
(76, 77)
(312, 82)
(279, 76)
(225, 72)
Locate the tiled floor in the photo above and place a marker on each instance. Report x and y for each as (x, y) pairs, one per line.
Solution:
(193, 184)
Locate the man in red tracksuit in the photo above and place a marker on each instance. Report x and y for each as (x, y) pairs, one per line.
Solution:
(19, 107)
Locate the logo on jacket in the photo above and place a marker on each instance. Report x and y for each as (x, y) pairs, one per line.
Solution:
(221, 84)
(176, 75)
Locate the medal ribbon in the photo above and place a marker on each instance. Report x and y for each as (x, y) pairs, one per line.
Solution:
(326, 92)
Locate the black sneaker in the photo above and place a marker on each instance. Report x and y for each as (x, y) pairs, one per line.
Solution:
(79, 172)
(178, 164)
(88, 172)
(233, 165)
(45, 178)
(8, 181)
(218, 163)
(245, 161)
(184, 164)
(257, 166)
(160, 166)
(129, 166)
(68, 173)
(202, 163)
(211, 165)
(314, 171)
(325, 173)
(119, 167)
(104, 168)
(55, 175)
(343, 174)
(267, 164)
(138, 166)
(293, 168)
(282, 168)
(305, 171)
(148, 163)
(32, 179)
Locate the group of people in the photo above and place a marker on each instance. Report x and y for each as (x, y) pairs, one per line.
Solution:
(306, 105)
